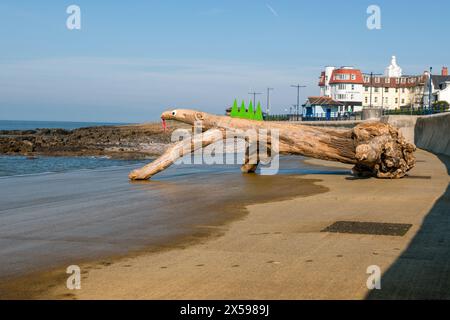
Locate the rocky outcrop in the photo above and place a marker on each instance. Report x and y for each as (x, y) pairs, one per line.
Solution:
(130, 142)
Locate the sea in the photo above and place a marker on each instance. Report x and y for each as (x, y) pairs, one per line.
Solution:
(20, 165)
(32, 125)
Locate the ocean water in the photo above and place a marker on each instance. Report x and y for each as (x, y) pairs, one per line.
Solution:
(55, 220)
(20, 165)
(32, 125)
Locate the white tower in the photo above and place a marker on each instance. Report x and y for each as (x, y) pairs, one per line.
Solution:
(393, 71)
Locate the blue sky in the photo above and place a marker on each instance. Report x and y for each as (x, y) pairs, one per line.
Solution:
(133, 59)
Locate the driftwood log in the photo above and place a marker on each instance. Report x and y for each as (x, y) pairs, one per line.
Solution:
(374, 148)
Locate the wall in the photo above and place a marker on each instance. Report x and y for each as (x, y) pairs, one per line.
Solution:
(404, 123)
(333, 124)
(371, 113)
(432, 133)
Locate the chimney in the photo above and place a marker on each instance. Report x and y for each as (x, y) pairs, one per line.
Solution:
(444, 71)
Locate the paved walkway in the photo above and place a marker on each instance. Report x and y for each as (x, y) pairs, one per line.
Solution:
(278, 252)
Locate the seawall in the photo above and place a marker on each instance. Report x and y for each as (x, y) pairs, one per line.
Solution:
(340, 124)
(432, 133)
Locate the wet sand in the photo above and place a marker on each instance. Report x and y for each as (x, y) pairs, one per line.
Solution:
(48, 222)
(277, 250)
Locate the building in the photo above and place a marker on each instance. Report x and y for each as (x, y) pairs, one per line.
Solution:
(440, 90)
(394, 90)
(322, 107)
(344, 85)
(356, 90)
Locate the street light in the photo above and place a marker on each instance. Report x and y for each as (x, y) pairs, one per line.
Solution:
(371, 85)
(254, 98)
(430, 91)
(298, 96)
(268, 100)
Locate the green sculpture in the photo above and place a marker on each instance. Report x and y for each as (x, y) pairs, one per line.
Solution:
(242, 111)
(245, 113)
(259, 114)
(250, 112)
(234, 110)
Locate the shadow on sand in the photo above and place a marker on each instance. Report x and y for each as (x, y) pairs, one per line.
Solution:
(423, 269)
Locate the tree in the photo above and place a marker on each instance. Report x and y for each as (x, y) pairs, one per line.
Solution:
(441, 105)
(374, 148)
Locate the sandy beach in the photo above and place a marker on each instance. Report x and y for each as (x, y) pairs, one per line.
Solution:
(277, 249)
(60, 219)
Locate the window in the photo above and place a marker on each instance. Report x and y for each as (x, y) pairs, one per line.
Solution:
(353, 87)
(353, 77)
(375, 99)
(341, 86)
(386, 100)
(387, 80)
(396, 100)
(386, 89)
(366, 89)
(396, 90)
(403, 90)
(376, 90)
(342, 77)
(403, 101)
(366, 100)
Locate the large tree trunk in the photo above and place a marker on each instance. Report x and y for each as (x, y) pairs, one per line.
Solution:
(376, 149)
(175, 152)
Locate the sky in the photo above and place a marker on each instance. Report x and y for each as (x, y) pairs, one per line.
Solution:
(131, 60)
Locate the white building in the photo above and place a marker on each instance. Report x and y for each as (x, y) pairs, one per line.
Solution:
(322, 107)
(391, 91)
(440, 87)
(344, 85)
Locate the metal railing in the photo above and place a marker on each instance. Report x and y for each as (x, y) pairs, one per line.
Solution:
(415, 111)
(332, 116)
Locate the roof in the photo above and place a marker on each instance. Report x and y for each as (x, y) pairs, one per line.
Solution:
(354, 76)
(387, 82)
(437, 80)
(324, 101)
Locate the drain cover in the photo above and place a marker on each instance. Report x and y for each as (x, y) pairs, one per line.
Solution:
(376, 228)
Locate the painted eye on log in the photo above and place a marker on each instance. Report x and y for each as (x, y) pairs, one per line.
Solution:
(174, 112)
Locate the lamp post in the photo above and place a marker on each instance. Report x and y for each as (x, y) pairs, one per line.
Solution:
(430, 83)
(298, 96)
(254, 98)
(371, 88)
(268, 100)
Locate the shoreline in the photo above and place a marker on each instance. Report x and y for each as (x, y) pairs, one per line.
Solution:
(229, 210)
(277, 251)
(129, 142)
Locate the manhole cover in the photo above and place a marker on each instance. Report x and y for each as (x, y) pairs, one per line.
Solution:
(376, 228)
